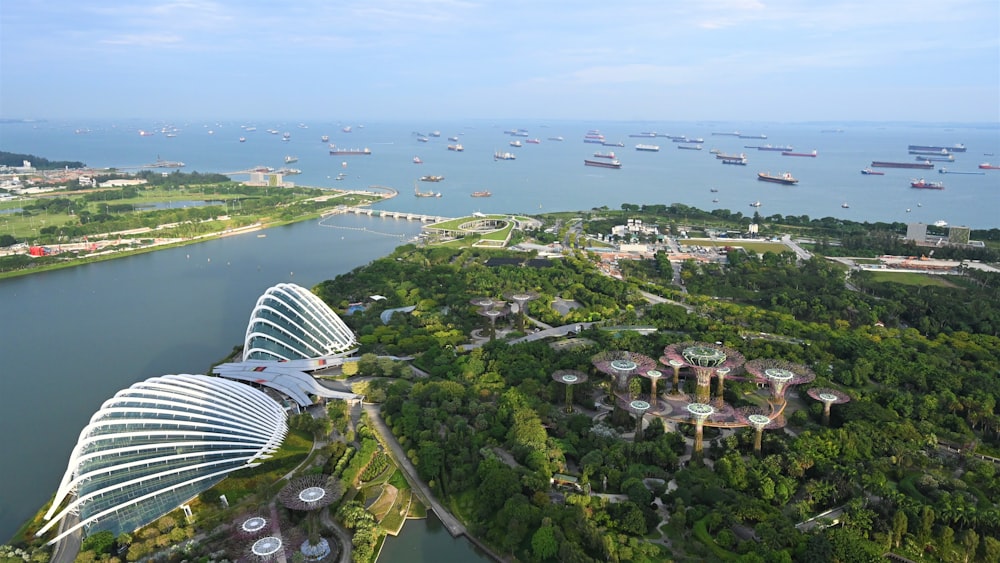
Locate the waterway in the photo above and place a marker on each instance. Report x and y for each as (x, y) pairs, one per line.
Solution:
(72, 338)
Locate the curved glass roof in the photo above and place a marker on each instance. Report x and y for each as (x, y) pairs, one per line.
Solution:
(157, 444)
(290, 323)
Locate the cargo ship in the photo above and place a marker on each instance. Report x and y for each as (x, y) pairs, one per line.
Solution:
(647, 135)
(752, 136)
(690, 147)
(608, 155)
(925, 165)
(870, 172)
(419, 193)
(786, 148)
(456, 148)
(946, 171)
(988, 166)
(504, 156)
(603, 163)
(483, 193)
(534, 141)
(290, 159)
(686, 140)
(927, 158)
(431, 178)
(925, 185)
(364, 151)
(613, 144)
(648, 148)
(942, 152)
(958, 147)
(789, 153)
(740, 159)
(785, 178)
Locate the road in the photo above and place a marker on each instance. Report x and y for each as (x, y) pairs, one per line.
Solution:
(800, 252)
(454, 527)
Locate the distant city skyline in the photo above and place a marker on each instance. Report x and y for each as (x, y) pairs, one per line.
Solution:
(719, 60)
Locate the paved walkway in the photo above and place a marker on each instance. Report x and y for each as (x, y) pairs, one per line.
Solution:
(454, 527)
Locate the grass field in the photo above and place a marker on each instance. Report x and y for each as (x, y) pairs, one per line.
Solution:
(759, 247)
(914, 278)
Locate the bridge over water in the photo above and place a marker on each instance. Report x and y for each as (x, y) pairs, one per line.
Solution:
(386, 214)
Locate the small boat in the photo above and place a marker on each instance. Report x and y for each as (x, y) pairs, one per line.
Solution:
(285, 135)
(243, 139)
(790, 153)
(346, 129)
(870, 172)
(262, 235)
(482, 193)
(716, 200)
(785, 178)
(515, 143)
(325, 138)
(845, 205)
(555, 138)
(940, 223)
(435, 133)
(456, 148)
(988, 166)
(416, 160)
(925, 185)
(755, 204)
(290, 159)
(534, 141)
(423, 139)
(714, 190)
(431, 178)
(453, 139)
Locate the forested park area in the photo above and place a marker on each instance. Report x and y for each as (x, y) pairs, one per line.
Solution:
(906, 461)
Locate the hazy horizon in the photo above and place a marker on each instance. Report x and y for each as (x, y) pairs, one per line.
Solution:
(784, 61)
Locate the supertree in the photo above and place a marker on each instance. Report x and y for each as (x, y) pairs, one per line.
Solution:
(760, 421)
(621, 366)
(493, 314)
(310, 493)
(271, 547)
(252, 526)
(569, 378)
(638, 408)
(699, 412)
(829, 397)
(676, 365)
(653, 376)
(520, 299)
(778, 375)
(706, 359)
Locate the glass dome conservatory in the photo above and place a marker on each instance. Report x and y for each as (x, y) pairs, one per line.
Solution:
(157, 444)
(290, 323)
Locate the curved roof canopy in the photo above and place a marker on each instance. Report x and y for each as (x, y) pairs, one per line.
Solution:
(290, 323)
(157, 444)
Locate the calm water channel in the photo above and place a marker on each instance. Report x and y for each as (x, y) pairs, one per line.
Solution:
(72, 338)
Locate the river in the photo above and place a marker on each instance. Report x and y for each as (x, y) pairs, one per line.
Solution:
(74, 337)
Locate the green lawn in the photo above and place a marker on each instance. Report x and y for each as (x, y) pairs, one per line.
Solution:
(911, 278)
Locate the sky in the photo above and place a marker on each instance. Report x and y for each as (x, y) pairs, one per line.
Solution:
(725, 60)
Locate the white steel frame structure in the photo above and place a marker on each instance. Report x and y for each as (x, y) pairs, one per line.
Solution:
(289, 322)
(159, 443)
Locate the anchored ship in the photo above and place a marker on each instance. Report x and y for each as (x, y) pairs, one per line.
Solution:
(603, 163)
(649, 148)
(364, 151)
(785, 178)
(925, 165)
(925, 185)
(482, 193)
(958, 147)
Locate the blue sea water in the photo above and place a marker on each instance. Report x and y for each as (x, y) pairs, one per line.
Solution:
(550, 175)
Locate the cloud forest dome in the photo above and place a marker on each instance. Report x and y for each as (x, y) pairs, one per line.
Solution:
(291, 323)
(158, 443)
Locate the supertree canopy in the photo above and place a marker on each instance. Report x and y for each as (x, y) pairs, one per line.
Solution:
(621, 365)
(569, 378)
(779, 375)
(705, 359)
(829, 397)
(307, 493)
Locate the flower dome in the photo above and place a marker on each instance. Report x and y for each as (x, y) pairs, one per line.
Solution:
(290, 323)
(157, 444)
